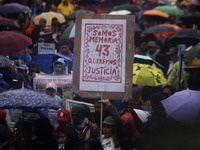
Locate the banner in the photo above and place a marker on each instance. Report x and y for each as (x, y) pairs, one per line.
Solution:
(103, 55)
(63, 82)
(104, 46)
(46, 48)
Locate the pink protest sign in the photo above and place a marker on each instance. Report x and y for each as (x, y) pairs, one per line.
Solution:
(103, 55)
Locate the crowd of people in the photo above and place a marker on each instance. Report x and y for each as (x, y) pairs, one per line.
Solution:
(138, 124)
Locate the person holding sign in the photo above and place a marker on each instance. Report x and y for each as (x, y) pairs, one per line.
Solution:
(112, 127)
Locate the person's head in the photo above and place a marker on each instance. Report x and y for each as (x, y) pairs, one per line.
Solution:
(156, 104)
(63, 117)
(168, 90)
(59, 92)
(23, 69)
(97, 106)
(78, 114)
(37, 2)
(151, 47)
(65, 2)
(136, 95)
(51, 89)
(108, 127)
(34, 68)
(194, 72)
(64, 47)
(172, 53)
(54, 20)
(69, 136)
(60, 66)
(56, 27)
(42, 23)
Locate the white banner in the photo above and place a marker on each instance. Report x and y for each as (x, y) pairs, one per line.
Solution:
(46, 48)
(102, 63)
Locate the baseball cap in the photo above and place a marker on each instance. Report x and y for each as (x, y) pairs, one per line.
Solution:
(51, 85)
(171, 51)
(63, 115)
(109, 121)
(151, 44)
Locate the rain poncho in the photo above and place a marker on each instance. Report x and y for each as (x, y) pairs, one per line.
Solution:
(60, 60)
(65, 9)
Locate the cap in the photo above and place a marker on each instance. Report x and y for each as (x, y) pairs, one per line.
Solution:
(171, 51)
(151, 44)
(109, 121)
(63, 115)
(23, 67)
(195, 64)
(51, 85)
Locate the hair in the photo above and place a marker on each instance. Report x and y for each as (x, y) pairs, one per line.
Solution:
(64, 42)
(136, 93)
(172, 89)
(72, 136)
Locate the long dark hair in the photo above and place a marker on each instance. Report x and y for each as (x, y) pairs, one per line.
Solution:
(72, 137)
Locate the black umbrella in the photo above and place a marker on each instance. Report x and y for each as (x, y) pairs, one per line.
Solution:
(158, 29)
(190, 17)
(87, 2)
(128, 7)
(14, 8)
(112, 3)
(193, 53)
(185, 36)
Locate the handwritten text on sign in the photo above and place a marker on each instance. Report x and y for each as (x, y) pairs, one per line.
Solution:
(103, 55)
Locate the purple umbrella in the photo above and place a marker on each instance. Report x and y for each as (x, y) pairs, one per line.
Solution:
(183, 106)
(27, 99)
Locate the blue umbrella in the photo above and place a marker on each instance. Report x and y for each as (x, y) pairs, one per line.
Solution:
(4, 61)
(14, 8)
(158, 29)
(27, 99)
(183, 106)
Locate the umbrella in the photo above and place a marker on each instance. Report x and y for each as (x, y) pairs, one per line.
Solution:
(137, 28)
(177, 28)
(111, 3)
(21, 52)
(193, 53)
(155, 15)
(190, 17)
(120, 12)
(87, 2)
(12, 41)
(172, 11)
(27, 99)
(14, 8)
(183, 106)
(144, 74)
(129, 7)
(142, 59)
(157, 29)
(8, 22)
(49, 16)
(69, 32)
(4, 61)
(185, 36)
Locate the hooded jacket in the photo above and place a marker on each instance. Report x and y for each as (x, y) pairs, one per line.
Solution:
(65, 9)
(60, 60)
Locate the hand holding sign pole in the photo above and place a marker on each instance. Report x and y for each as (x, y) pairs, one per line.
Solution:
(103, 56)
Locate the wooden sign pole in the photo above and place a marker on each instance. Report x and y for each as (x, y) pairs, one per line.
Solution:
(101, 118)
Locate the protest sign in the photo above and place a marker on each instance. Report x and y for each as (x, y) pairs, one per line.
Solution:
(103, 51)
(62, 81)
(46, 48)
